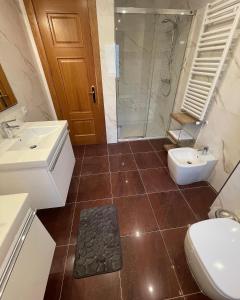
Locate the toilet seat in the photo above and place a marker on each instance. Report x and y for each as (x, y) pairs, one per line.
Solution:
(213, 253)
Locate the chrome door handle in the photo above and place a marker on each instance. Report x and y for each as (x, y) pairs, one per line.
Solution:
(93, 93)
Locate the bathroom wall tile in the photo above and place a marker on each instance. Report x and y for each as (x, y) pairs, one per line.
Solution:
(200, 199)
(76, 218)
(95, 164)
(147, 272)
(135, 215)
(174, 240)
(147, 160)
(94, 187)
(122, 162)
(105, 16)
(171, 210)
(126, 184)
(222, 137)
(55, 278)
(58, 222)
(19, 64)
(140, 146)
(157, 180)
(228, 197)
(119, 148)
(101, 287)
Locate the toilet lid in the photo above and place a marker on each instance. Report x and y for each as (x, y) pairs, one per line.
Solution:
(217, 244)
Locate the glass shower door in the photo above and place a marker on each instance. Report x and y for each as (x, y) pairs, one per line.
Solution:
(134, 39)
(150, 54)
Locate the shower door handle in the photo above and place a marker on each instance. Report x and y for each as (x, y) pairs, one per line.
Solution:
(93, 93)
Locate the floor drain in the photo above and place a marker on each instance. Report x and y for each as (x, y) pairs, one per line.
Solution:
(189, 162)
(33, 147)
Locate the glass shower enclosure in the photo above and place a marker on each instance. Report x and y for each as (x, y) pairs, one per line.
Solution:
(150, 48)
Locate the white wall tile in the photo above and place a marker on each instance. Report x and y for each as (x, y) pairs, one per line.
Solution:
(18, 62)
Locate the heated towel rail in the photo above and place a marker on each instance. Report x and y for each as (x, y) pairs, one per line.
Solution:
(220, 21)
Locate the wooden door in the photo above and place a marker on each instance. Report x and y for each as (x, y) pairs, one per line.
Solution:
(64, 28)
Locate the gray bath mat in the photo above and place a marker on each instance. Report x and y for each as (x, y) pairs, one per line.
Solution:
(98, 248)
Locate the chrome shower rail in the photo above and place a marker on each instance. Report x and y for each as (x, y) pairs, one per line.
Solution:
(154, 11)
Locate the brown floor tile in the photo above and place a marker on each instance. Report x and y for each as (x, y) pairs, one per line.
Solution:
(95, 164)
(58, 222)
(200, 199)
(159, 143)
(199, 296)
(96, 150)
(119, 148)
(100, 287)
(140, 146)
(78, 151)
(163, 157)
(147, 160)
(174, 240)
(171, 210)
(77, 167)
(73, 189)
(122, 162)
(157, 180)
(55, 278)
(94, 187)
(147, 272)
(76, 219)
(126, 184)
(135, 215)
(195, 184)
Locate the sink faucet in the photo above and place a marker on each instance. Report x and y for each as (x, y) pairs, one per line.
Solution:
(204, 150)
(7, 129)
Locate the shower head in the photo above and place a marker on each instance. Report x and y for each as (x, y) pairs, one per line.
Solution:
(167, 20)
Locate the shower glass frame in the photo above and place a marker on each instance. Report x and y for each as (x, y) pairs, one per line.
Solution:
(154, 12)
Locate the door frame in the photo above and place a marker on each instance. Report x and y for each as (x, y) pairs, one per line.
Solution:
(96, 57)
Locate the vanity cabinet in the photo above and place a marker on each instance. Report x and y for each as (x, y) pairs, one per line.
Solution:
(48, 186)
(32, 258)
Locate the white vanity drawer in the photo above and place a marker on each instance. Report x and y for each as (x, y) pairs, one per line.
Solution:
(29, 276)
(62, 167)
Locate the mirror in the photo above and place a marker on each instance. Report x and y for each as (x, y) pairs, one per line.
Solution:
(7, 97)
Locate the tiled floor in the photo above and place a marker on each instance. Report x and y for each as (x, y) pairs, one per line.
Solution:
(153, 216)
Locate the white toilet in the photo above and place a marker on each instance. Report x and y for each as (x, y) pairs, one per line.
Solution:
(187, 165)
(212, 249)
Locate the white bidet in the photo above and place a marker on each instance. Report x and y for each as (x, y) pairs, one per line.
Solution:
(188, 165)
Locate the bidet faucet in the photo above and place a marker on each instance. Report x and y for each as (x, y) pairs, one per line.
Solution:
(7, 129)
(204, 150)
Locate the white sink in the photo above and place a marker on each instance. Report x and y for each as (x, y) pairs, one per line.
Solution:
(34, 138)
(13, 209)
(34, 145)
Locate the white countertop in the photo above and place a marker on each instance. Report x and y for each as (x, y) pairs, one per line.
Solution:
(31, 158)
(13, 209)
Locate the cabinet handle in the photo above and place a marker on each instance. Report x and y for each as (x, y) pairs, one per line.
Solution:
(59, 152)
(16, 250)
(93, 93)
